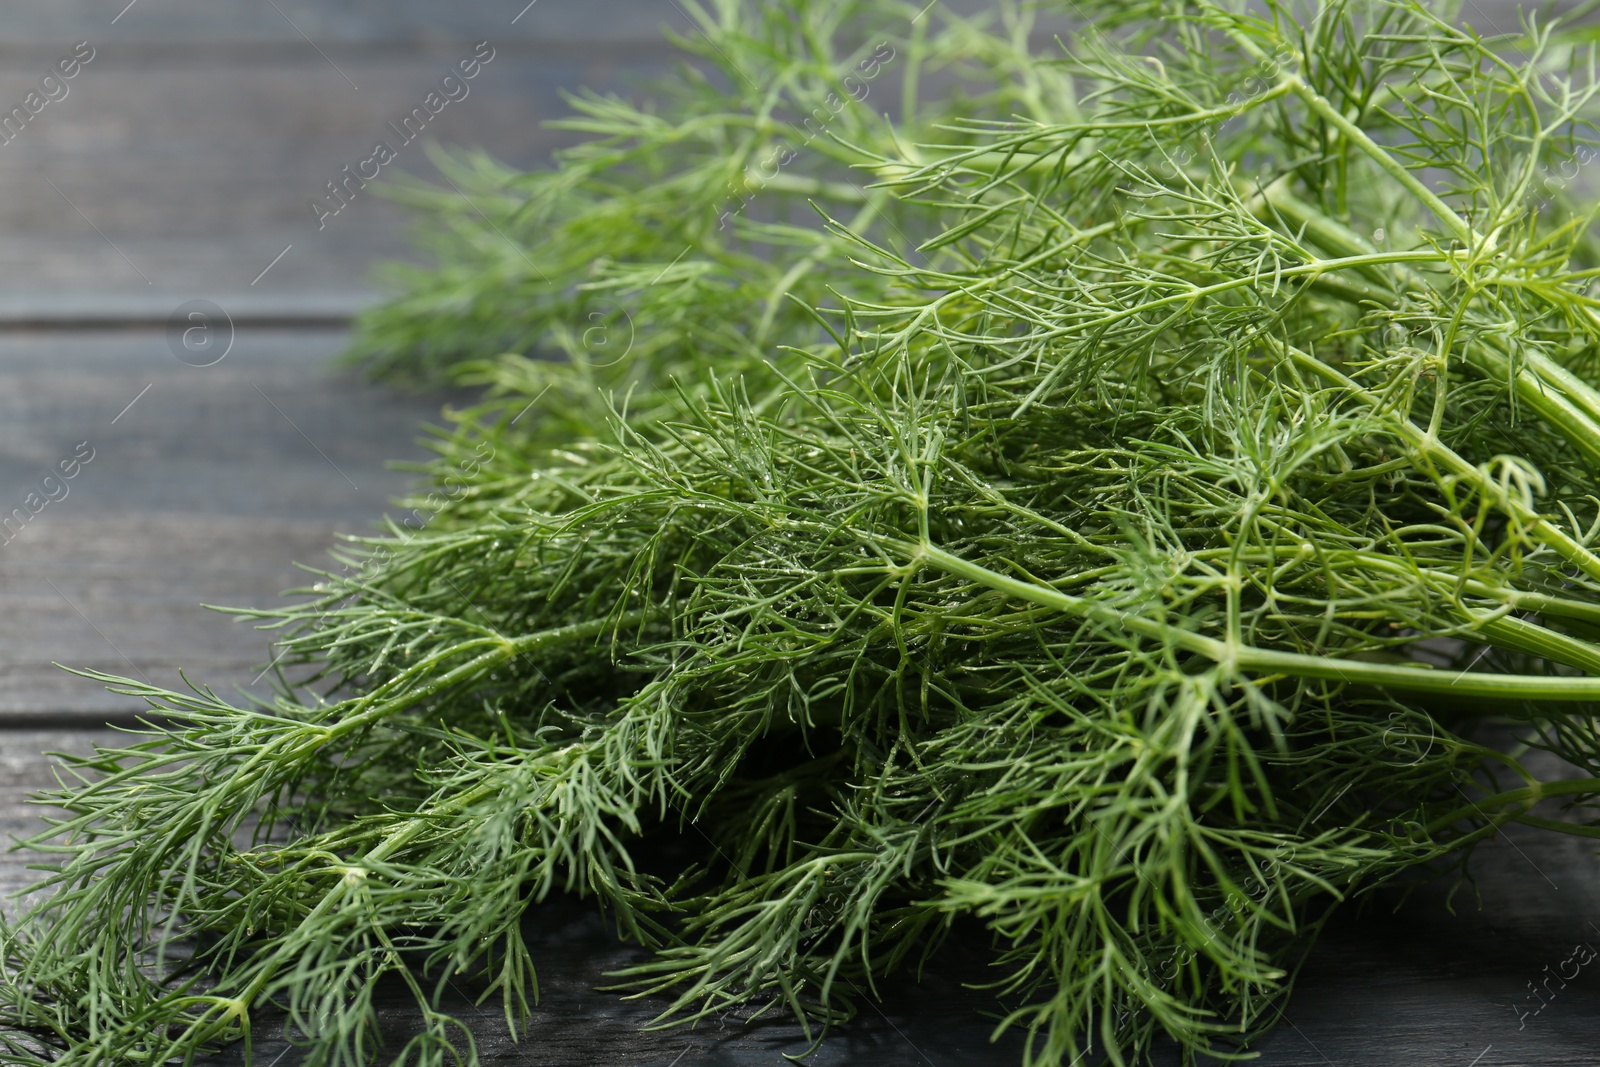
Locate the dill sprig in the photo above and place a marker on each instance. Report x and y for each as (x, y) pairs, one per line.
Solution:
(1109, 516)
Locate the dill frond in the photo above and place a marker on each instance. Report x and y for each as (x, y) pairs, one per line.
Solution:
(1106, 511)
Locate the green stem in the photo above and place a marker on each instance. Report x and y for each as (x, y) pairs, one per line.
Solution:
(380, 704)
(814, 187)
(1011, 159)
(1435, 451)
(1519, 635)
(376, 708)
(1445, 582)
(1243, 658)
(1324, 109)
(1569, 403)
(391, 843)
(1523, 800)
(1387, 163)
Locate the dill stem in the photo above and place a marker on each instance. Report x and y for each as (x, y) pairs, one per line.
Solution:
(1567, 401)
(799, 185)
(1513, 804)
(1236, 656)
(1387, 163)
(1519, 635)
(505, 650)
(271, 758)
(378, 705)
(1314, 269)
(1013, 161)
(1292, 82)
(291, 749)
(1426, 444)
(391, 843)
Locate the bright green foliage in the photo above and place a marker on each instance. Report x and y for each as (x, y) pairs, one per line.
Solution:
(1169, 457)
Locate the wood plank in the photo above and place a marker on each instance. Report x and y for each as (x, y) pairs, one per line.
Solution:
(205, 490)
(332, 23)
(24, 771)
(71, 309)
(192, 172)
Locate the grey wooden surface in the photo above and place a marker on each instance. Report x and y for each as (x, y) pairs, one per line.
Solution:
(178, 167)
(182, 159)
(206, 489)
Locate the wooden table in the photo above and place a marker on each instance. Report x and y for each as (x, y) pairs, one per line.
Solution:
(178, 168)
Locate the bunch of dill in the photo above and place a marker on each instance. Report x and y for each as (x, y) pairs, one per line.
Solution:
(1102, 499)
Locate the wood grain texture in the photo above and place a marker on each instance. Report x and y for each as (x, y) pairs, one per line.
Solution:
(207, 489)
(24, 771)
(190, 171)
(332, 23)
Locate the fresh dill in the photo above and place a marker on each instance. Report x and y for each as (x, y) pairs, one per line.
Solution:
(1049, 504)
